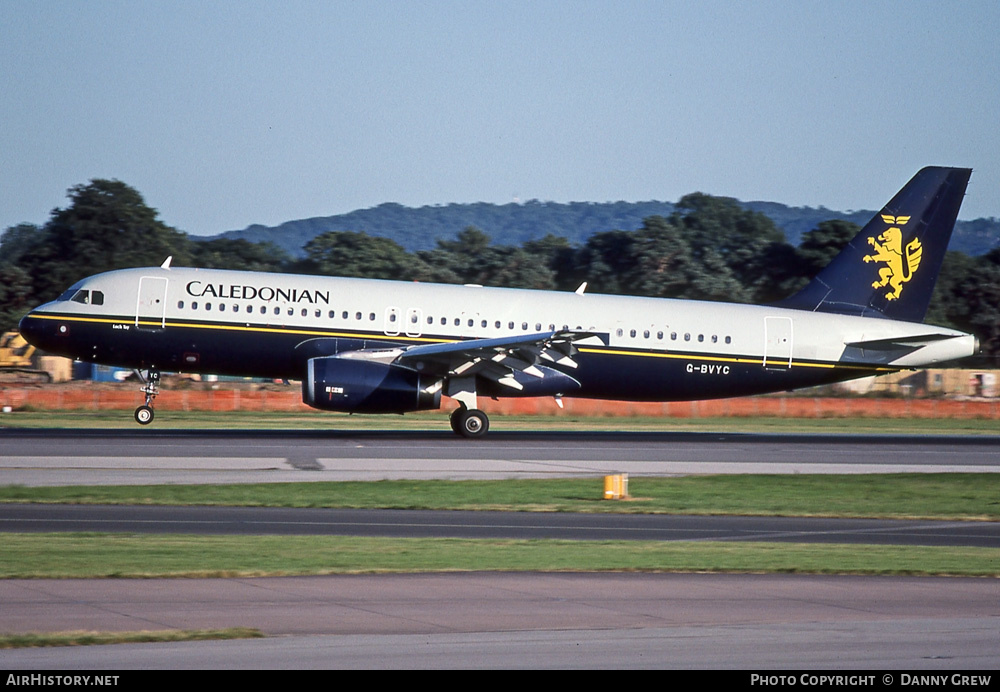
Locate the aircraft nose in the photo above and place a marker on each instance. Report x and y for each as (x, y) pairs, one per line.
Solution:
(31, 329)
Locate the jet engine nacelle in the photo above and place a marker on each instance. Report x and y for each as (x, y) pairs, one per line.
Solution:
(362, 386)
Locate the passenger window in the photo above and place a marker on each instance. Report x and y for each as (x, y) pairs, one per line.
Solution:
(645, 334)
(180, 304)
(701, 338)
(631, 333)
(222, 307)
(687, 337)
(619, 333)
(208, 306)
(729, 339)
(371, 316)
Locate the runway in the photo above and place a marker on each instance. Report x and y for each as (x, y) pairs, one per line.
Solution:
(138, 456)
(497, 620)
(25, 518)
(514, 620)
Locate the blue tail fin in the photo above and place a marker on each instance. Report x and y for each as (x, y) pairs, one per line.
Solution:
(889, 268)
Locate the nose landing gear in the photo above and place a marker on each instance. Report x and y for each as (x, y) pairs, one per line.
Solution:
(144, 413)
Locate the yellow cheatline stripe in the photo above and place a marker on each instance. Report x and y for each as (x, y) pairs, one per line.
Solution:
(384, 337)
(238, 328)
(722, 359)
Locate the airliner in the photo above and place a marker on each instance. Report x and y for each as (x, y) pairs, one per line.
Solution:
(376, 346)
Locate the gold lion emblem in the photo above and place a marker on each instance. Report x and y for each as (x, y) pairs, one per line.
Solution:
(890, 250)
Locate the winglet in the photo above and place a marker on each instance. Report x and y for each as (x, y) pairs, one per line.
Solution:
(166, 263)
(583, 287)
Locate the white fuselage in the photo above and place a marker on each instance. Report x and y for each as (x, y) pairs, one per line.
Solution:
(648, 349)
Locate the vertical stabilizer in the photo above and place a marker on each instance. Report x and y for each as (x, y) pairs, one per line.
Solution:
(890, 267)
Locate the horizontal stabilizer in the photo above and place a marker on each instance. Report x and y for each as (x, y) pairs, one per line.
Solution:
(915, 341)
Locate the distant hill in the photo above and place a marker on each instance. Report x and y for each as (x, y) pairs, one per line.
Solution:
(514, 224)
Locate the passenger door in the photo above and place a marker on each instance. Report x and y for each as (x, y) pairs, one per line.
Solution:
(151, 303)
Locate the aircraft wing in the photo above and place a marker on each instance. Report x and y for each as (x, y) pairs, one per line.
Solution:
(500, 360)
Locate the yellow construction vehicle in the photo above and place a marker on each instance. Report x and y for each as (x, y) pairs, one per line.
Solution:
(16, 362)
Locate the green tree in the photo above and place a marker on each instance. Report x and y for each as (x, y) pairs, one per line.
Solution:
(106, 226)
(657, 260)
(790, 268)
(353, 254)
(225, 253)
(16, 296)
(949, 306)
(721, 233)
(18, 242)
(556, 253)
(471, 259)
(980, 294)
(820, 245)
(603, 262)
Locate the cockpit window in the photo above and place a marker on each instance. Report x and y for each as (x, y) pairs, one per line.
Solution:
(84, 297)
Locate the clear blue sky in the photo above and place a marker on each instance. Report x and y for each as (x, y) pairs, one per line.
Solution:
(224, 114)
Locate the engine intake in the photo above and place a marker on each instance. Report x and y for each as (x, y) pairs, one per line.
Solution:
(362, 386)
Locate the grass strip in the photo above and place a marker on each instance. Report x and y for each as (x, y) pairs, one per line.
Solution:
(950, 496)
(85, 638)
(91, 555)
(437, 421)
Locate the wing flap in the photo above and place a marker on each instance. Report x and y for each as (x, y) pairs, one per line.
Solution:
(499, 360)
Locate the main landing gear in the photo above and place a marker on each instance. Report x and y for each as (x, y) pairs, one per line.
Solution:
(144, 413)
(466, 420)
(470, 423)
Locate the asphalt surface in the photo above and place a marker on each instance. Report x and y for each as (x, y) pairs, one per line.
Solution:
(488, 620)
(514, 620)
(493, 525)
(139, 456)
